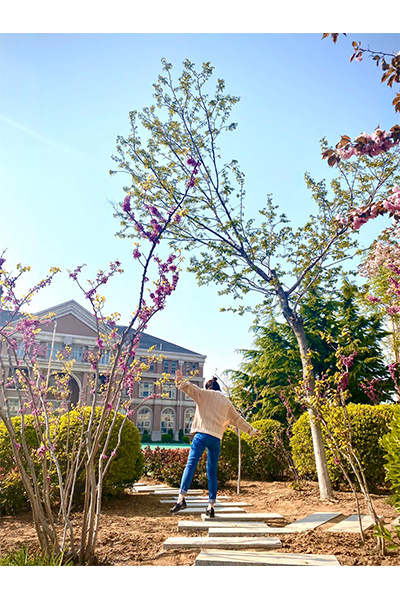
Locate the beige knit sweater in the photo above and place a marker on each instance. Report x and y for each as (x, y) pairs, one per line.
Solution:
(214, 411)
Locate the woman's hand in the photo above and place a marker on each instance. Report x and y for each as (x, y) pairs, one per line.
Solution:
(178, 377)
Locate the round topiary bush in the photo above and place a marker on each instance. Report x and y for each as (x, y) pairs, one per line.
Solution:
(265, 459)
(390, 444)
(230, 451)
(261, 457)
(125, 468)
(127, 465)
(13, 497)
(368, 423)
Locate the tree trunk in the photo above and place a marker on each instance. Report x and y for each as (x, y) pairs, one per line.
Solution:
(296, 323)
(325, 487)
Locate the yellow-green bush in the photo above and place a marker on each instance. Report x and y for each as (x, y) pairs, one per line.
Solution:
(262, 457)
(127, 465)
(368, 425)
(391, 447)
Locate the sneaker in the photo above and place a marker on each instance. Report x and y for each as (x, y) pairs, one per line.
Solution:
(210, 512)
(178, 506)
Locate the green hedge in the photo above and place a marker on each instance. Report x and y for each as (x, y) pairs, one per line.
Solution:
(127, 465)
(125, 468)
(261, 457)
(390, 444)
(368, 423)
(165, 464)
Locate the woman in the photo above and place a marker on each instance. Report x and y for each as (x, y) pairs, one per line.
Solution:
(214, 412)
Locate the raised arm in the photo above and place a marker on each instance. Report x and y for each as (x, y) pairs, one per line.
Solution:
(193, 391)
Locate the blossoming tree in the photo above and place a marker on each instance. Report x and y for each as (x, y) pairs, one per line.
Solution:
(270, 258)
(48, 470)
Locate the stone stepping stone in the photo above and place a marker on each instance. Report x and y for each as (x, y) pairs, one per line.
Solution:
(244, 517)
(149, 488)
(173, 492)
(395, 523)
(311, 522)
(236, 543)
(218, 504)
(200, 510)
(352, 525)
(261, 531)
(191, 499)
(229, 558)
(210, 525)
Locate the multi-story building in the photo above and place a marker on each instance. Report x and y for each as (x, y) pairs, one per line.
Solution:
(76, 328)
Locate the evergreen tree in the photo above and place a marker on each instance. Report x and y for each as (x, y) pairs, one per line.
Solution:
(270, 370)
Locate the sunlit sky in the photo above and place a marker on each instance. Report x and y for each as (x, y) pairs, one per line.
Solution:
(65, 97)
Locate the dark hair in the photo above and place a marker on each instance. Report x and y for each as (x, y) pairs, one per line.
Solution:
(213, 384)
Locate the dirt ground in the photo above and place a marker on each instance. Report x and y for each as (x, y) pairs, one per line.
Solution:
(134, 528)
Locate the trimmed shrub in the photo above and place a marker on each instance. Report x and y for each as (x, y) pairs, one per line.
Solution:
(127, 465)
(230, 451)
(146, 438)
(368, 424)
(125, 468)
(167, 438)
(185, 440)
(390, 444)
(165, 464)
(267, 461)
(262, 457)
(13, 497)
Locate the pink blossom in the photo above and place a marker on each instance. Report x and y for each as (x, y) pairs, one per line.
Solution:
(127, 204)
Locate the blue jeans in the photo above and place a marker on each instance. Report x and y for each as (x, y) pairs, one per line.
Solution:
(200, 442)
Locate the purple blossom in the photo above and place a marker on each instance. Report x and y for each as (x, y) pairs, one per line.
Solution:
(127, 204)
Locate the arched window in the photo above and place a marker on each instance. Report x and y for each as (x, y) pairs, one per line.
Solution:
(144, 420)
(167, 420)
(189, 414)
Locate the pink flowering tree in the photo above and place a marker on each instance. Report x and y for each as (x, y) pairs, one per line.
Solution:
(377, 142)
(247, 258)
(43, 398)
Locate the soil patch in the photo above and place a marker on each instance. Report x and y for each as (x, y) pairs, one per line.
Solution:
(134, 528)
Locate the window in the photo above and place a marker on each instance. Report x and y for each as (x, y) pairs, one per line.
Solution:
(145, 389)
(77, 353)
(170, 389)
(13, 405)
(105, 358)
(189, 415)
(144, 419)
(173, 367)
(190, 367)
(20, 349)
(56, 348)
(166, 366)
(167, 420)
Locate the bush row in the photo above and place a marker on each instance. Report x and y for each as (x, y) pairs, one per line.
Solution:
(368, 423)
(125, 468)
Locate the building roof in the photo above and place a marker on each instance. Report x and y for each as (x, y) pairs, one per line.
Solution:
(81, 313)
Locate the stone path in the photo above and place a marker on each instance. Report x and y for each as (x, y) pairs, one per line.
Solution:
(234, 534)
(200, 510)
(352, 525)
(244, 517)
(204, 503)
(231, 558)
(212, 524)
(235, 543)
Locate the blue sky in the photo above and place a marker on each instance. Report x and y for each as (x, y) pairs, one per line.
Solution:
(64, 98)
